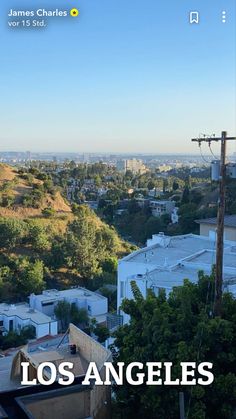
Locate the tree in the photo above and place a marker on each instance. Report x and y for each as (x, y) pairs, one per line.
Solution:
(80, 247)
(28, 332)
(185, 196)
(38, 236)
(49, 212)
(133, 207)
(79, 316)
(68, 313)
(102, 333)
(57, 254)
(11, 232)
(151, 185)
(179, 328)
(62, 313)
(110, 264)
(153, 226)
(175, 185)
(88, 243)
(31, 277)
(13, 339)
(165, 185)
(188, 214)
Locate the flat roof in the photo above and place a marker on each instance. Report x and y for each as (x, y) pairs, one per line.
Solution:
(209, 257)
(79, 293)
(23, 311)
(160, 278)
(161, 202)
(198, 249)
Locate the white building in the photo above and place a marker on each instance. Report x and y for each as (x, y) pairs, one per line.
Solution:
(167, 261)
(175, 216)
(135, 166)
(159, 208)
(95, 304)
(16, 316)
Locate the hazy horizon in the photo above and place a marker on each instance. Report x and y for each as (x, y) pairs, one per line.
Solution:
(107, 153)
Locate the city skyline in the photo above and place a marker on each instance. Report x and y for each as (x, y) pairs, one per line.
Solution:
(120, 78)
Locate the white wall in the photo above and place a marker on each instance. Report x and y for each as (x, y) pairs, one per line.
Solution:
(42, 330)
(53, 328)
(125, 270)
(98, 306)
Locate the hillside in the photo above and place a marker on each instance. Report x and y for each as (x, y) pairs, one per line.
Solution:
(45, 239)
(24, 196)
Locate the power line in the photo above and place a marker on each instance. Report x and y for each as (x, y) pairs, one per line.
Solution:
(203, 158)
(212, 151)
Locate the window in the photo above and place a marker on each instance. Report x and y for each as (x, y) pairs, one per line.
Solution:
(122, 289)
(47, 303)
(10, 325)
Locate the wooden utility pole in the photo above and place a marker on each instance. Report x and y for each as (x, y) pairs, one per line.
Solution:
(181, 406)
(220, 229)
(220, 218)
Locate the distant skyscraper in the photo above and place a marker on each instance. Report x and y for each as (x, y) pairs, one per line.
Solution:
(133, 165)
(28, 156)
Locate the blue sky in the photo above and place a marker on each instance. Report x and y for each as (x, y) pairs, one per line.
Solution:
(125, 76)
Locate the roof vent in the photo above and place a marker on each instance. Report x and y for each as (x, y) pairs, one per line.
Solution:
(31, 310)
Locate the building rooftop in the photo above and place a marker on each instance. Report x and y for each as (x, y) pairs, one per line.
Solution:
(161, 278)
(169, 251)
(78, 292)
(230, 221)
(156, 201)
(23, 311)
(209, 258)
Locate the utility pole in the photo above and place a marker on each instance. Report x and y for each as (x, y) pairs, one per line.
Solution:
(181, 406)
(220, 217)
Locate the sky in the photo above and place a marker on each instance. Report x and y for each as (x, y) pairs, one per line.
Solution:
(124, 76)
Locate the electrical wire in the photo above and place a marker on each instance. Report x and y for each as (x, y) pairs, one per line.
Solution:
(203, 158)
(212, 151)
